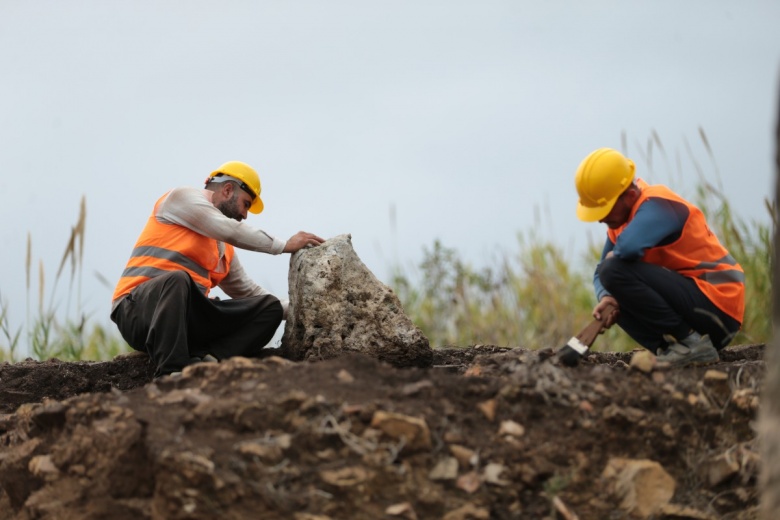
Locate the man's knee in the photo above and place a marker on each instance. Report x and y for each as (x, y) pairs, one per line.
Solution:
(610, 270)
(277, 311)
(265, 310)
(176, 277)
(175, 282)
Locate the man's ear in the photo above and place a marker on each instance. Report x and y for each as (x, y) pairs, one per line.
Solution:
(634, 193)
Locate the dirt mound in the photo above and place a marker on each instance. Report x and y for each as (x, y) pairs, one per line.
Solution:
(486, 433)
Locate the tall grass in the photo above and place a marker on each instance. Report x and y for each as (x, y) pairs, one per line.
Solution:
(530, 297)
(10, 339)
(55, 332)
(533, 299)
(750, 243)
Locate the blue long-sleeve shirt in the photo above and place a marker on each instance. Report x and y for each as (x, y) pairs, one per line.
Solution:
(657, 222)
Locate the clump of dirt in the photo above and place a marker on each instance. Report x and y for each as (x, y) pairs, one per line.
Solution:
(487, 432)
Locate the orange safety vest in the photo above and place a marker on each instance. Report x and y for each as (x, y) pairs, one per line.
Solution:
(697, 254)
(163, 248)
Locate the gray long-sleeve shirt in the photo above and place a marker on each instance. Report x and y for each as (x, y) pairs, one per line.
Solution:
(193, 209)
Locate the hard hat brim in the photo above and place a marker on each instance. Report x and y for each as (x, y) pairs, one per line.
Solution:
(594, 214)
(257, 206)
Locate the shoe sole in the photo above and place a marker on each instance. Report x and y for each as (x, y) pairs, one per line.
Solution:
(701, 359)
(172, 375)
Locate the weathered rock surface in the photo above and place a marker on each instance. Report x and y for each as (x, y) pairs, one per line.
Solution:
(337, 305)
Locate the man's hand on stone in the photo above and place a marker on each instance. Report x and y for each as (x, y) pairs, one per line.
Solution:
(300, 240)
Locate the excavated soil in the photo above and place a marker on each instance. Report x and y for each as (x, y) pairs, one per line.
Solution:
(485, 433)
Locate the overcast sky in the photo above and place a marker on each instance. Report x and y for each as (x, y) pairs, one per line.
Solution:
(465, 120)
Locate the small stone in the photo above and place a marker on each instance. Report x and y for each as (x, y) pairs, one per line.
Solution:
(445, 469)
(414, 388)
(265, 452)
(345, 377)
(469, 482)
(643, 486)
(745, 399)
(715, 376)
(466, 457)
(42, 466)
(413, 430)
(473, 371)
(310, 516)
(511, 428)
(404, 509)
(643, 361)
(326, 454)
(720, 468)
(453, 437)
(468, 512)
(684, 513)
(346, 477)
(492, 474)
(488, 409)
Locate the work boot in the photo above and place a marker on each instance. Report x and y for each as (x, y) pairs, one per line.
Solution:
(693, 349)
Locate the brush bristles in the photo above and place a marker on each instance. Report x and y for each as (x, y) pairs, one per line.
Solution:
(569, 356)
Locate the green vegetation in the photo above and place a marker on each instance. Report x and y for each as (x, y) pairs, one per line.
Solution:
(530, 298)
(10, 339)
(751, 244)
(533, 299)
(553, 487)
(68, 338)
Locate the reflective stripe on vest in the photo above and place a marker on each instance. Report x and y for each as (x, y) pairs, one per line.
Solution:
(167, 254)
(165, 247)
(151, 272)
(718, 277)
(722, 276)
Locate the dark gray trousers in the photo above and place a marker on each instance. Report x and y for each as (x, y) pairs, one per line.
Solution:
(655, 301)
(171, 320)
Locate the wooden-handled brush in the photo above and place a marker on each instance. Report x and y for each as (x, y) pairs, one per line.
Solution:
(576, 347)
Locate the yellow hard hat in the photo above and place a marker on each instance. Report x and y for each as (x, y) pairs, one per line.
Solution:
(600, 179)
(246, 176)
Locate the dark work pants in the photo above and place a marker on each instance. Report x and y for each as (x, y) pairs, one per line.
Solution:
(169, 318)
(655, 301)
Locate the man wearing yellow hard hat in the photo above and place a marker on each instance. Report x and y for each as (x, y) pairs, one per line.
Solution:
(161, 304)
(678, 292)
